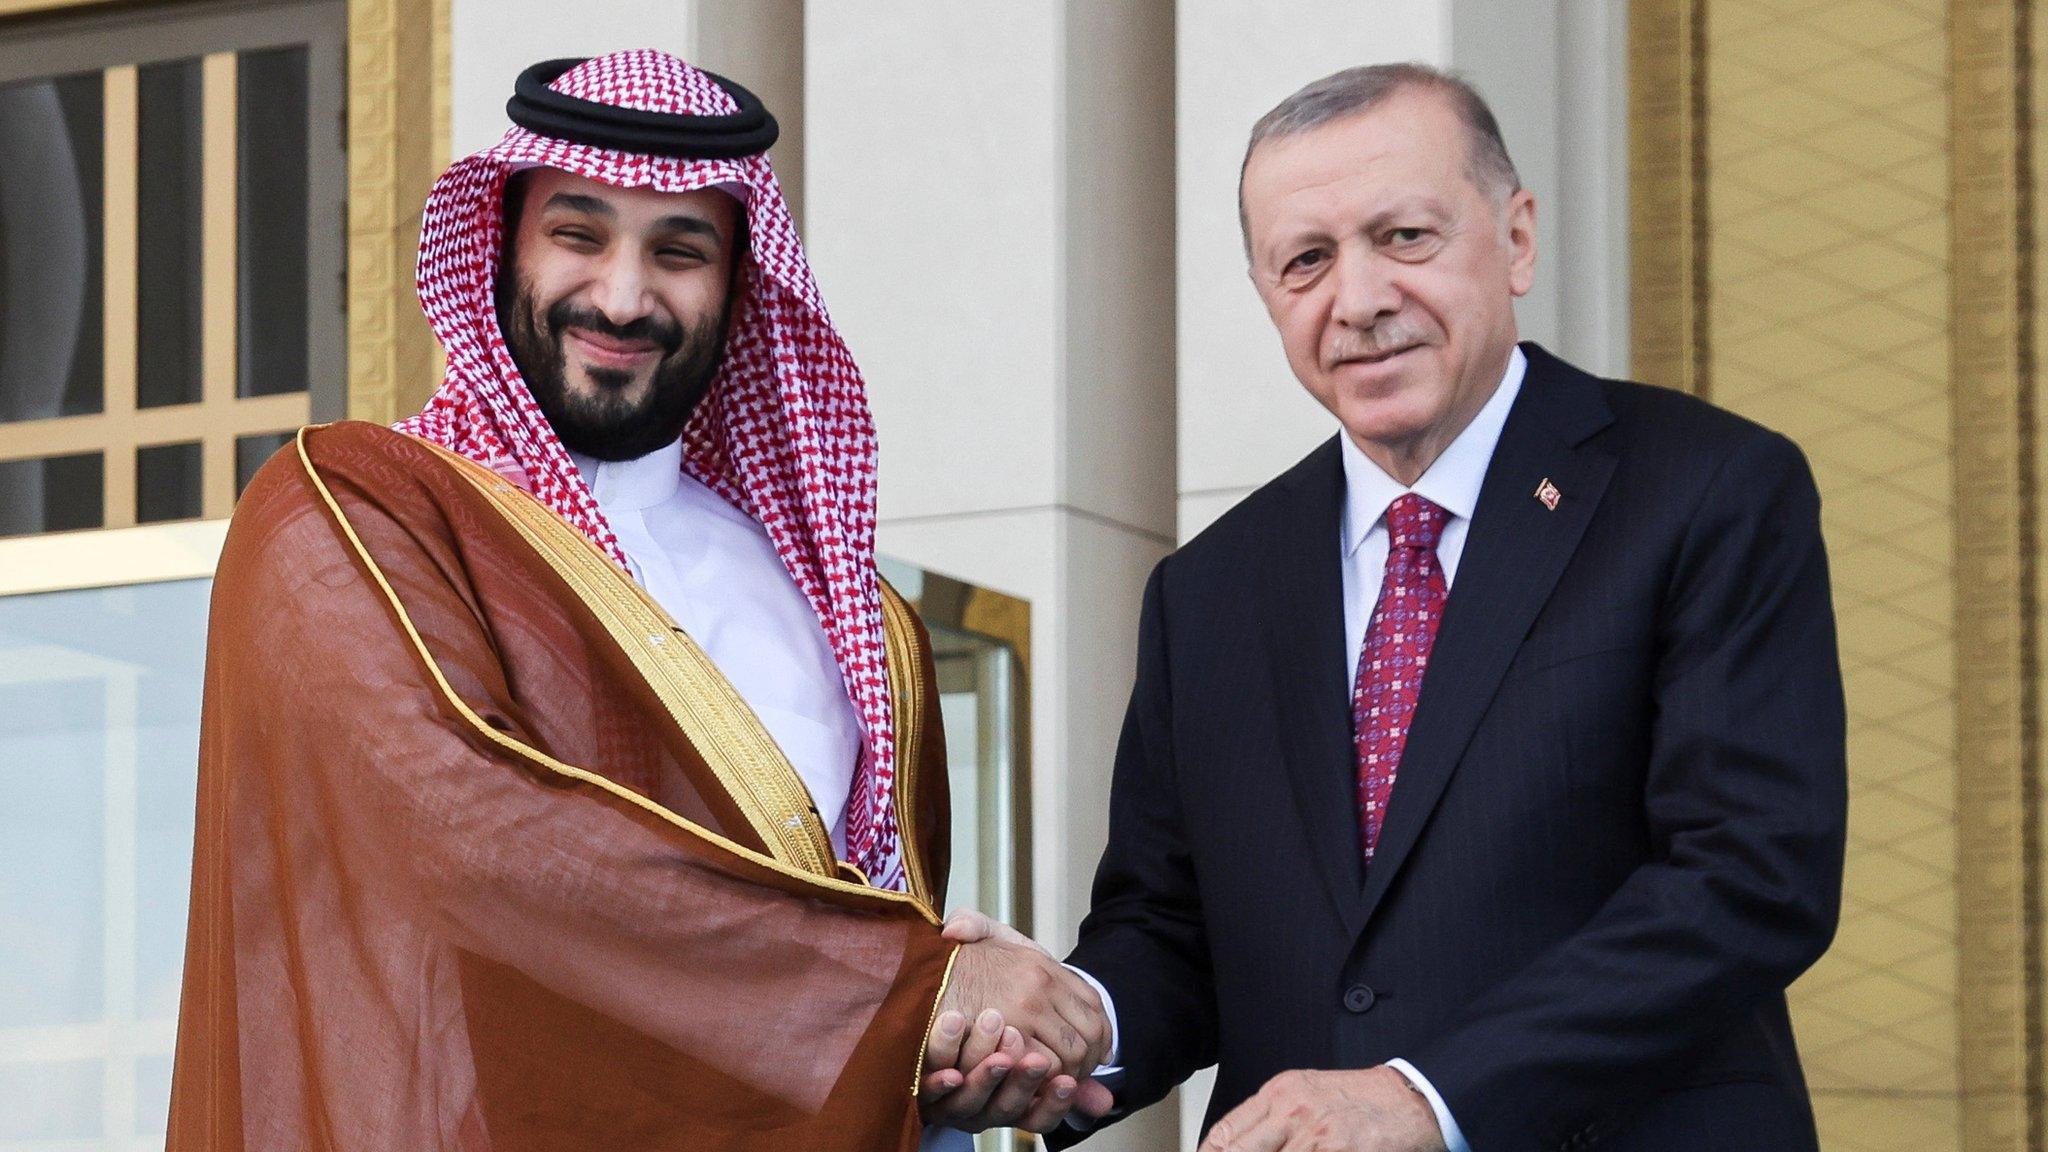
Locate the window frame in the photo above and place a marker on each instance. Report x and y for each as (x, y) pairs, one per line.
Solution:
(116, 43)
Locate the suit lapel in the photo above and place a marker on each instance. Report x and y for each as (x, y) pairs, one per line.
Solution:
(1311, 693)
(1514, 553)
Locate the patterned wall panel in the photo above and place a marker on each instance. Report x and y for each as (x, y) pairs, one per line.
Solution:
(398, 85)
(1828, 288)
(1991, 385)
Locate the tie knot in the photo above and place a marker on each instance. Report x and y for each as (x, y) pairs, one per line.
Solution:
(1414, 522)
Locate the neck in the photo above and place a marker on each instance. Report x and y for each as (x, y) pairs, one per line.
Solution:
(1406, 461)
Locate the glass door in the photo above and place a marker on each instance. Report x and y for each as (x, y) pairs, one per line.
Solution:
(99, 738)
(102, 641)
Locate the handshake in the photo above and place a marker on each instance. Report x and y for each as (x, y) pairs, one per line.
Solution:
(1017, 1037)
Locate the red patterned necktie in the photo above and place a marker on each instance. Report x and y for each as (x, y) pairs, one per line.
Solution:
(1395, 655)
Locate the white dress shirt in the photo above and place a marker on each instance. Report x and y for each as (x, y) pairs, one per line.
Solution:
(713, 568)
(1452, 483)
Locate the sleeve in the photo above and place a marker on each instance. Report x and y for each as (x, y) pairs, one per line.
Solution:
(1110, 1073)
(431, 919)
(1447, 1124)
(1746, 801)
(1143, 939)
(1110, 1065)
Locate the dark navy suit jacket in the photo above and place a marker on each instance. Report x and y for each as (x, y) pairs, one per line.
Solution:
(1617, 830)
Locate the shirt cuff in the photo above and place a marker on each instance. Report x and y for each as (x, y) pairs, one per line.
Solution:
(1110, 1065)
(1454, 1140)
(1110, 1072)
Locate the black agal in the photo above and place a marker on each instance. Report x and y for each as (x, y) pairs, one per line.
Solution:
(538, 108)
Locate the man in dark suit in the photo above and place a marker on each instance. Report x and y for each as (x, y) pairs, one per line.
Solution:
(1483, 784)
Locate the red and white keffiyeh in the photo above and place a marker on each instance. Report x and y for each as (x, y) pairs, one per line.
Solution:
(785, 432)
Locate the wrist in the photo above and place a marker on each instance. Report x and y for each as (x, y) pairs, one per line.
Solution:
(1427, 1109)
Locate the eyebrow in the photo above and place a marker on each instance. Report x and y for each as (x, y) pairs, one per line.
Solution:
(1280, 249)
(694, 224)
(577, 202)
(1428, 207)
(593, 206)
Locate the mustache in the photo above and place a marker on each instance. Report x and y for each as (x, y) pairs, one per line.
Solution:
(1387, 337)
(662, 332)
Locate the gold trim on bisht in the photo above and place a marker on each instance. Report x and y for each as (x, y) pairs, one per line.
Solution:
(799, 846)
(899, 630)
(734, 743)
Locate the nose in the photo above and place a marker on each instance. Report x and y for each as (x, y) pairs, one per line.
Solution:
(620, 290)
(1366, 288)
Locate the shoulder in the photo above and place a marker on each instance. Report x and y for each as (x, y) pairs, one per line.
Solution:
(1272, 524)
(299, 476)
(1653, 419)
(367, 454)
(355, 476)
(1699, 446)
(1638, 418)
(1667, 442)
(396, 473)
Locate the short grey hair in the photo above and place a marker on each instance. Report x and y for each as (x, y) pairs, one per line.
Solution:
(1356, 90)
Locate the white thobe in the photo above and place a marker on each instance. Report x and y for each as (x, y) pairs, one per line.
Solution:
(714, 570)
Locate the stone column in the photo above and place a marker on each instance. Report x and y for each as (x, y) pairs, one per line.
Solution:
(990, 213)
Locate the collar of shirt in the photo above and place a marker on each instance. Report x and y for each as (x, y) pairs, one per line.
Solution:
(714, 569)
(635, 484)
(1452, 482)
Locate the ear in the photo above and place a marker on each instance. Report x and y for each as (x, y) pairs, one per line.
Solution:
(1521, 238)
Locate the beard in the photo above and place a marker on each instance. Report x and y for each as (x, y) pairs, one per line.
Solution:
(610, 419)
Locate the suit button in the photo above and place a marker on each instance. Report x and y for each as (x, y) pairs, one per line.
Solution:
(1359, 998)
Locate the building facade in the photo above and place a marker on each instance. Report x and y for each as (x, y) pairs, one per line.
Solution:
(1819, 213)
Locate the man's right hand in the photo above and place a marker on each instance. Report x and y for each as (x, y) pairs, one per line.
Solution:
(1033, 993)
(1012, 1016)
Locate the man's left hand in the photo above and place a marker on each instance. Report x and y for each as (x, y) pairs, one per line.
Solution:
(1368, 1110)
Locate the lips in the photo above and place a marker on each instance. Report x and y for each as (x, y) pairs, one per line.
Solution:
(609, 352)
(1377, 357)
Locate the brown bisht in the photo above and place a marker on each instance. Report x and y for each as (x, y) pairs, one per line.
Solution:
(490, 857)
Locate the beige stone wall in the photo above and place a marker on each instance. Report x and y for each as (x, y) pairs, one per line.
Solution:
(1828, 240)
(1828, 257)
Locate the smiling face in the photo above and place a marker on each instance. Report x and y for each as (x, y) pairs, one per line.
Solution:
(614, 304)
(1389, 273)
